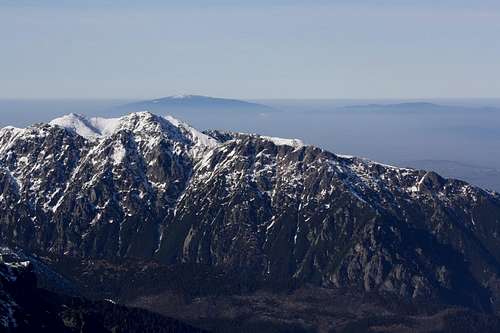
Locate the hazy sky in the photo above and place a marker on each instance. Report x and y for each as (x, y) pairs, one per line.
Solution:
(250, 49)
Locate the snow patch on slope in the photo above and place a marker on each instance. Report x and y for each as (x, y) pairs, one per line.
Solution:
(201, 141)
(106, 126)
(119, 153)
(284, 142)
(181, 96)
(11, 128)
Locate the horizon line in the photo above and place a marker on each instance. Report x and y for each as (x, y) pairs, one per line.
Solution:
(52, 98)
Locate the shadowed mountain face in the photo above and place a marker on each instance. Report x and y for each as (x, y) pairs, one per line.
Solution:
(25, 308)
(259, 211)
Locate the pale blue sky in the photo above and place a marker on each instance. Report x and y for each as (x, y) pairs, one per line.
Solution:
(250, 49)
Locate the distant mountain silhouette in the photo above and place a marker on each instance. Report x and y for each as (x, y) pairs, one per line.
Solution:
(413, 107)
(193, 103)
(399, 106)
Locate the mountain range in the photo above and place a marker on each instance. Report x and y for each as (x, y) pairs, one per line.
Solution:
(225, 230)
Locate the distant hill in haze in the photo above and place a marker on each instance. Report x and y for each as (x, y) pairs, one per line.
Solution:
(193, 103)
(398, 105)
(406, 106)
(413, 107)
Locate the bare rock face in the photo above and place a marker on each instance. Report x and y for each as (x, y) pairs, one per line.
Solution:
(276, 211)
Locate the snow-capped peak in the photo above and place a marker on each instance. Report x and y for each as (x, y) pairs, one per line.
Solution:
(87, 127)
(138, 122)
(96, 127)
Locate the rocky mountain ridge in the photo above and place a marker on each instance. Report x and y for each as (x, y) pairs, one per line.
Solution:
(276, 211)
